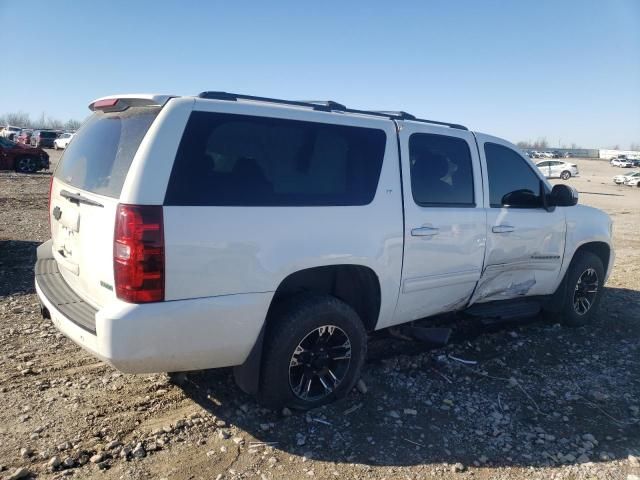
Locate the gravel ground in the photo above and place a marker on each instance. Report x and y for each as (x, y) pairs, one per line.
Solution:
(539, 400)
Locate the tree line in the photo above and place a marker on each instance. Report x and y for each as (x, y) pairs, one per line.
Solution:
(23, 120)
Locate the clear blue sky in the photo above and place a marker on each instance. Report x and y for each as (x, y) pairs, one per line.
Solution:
(565, 70)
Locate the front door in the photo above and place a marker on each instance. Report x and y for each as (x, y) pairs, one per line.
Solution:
(525, 242)
(445, 223)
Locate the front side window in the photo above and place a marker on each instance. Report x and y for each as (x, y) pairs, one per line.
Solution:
(510, 178)
(441, 170)
(241, 160)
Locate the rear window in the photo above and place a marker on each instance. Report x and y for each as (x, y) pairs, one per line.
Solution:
(100, 155)
(48, 135)
(238, 160)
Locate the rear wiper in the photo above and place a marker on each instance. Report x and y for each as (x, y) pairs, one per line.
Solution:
(77, 198)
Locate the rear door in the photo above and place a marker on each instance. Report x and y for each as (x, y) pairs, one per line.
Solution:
(544, 168)
(445, 223)
(556, 169)
(85, 193)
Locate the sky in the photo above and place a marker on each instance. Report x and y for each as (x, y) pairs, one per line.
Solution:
(567, 70)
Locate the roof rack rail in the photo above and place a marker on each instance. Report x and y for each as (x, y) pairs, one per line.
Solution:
(335, 106)
(324, 106)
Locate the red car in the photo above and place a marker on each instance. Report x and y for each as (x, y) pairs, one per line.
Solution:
(24, 137)
(22, 158)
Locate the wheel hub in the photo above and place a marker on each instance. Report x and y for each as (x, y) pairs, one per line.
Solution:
(585, 291)
(319, 363)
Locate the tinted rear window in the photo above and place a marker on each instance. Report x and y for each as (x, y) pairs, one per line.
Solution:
(48, 134)
(238, 160)
(441, 170)
(100, 155)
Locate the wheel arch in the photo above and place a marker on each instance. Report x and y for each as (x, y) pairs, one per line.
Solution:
(356, 285)
(599, 248)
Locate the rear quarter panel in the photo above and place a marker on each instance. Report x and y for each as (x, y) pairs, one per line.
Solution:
(212, 251)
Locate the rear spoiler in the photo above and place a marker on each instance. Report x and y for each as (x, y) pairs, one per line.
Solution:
(119, 103)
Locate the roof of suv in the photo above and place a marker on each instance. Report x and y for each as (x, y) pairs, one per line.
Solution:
(318, 105)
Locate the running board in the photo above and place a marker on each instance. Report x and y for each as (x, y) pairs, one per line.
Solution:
(496, 312)
(435, 335)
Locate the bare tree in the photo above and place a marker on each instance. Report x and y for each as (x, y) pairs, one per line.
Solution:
(634, 146)
(18, 119)
(72, 124)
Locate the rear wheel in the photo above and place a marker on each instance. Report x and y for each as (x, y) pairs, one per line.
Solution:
(26, 165)
(585, 280)
(313, 353)
(566, 175)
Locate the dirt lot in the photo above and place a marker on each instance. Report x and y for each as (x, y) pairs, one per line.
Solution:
(542, 401)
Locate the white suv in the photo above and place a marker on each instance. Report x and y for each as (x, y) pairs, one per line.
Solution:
(227, 230)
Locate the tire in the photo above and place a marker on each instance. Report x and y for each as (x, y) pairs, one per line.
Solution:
(298, 370)
(26, 165)
(585, 268)
(565, 175)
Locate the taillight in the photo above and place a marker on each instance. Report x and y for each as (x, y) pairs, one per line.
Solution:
(138, 253)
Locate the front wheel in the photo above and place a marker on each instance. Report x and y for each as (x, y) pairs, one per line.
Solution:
(26, 165)
(585, 281)
(313, 353)
(565, 175)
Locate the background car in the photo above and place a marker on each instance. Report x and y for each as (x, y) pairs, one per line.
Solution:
(62, 141)
(633, 182)
(621, 161)
(25, 136)
(558, 169)
(10, 132)
(568, 155)
(620, 179)
(43, 138)
(22, 158)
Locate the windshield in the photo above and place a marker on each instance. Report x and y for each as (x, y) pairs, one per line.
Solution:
(48, 134)
(101, 153)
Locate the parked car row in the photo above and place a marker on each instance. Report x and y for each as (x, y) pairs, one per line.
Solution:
(554, 154)
(630, 179)
(37, 138)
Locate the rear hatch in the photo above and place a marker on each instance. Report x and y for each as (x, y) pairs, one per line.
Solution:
(85, 192)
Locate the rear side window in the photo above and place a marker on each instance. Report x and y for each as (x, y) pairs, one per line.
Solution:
(509, 172)
(101, 153)
(239, 160)
(441, 170)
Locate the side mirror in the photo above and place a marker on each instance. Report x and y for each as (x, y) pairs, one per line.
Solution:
(563, 196)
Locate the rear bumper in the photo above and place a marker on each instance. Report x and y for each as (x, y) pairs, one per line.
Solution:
(171, 336)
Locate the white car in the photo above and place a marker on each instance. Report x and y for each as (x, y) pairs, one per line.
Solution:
(633, 182)
(10, 132)
(620, 179)
(62, 141)
(558, 169)
(270, 235)
(621, 162)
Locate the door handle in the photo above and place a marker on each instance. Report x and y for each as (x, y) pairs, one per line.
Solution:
(502, 229)
(424, 232)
